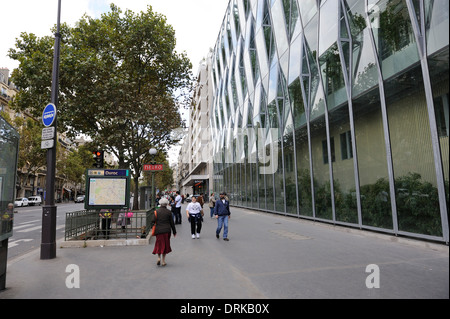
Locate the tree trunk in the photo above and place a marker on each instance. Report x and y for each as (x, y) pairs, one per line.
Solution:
(136, 193)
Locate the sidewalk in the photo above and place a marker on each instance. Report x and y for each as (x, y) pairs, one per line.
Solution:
(268, 256)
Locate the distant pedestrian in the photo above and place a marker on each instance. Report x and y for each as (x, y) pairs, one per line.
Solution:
(178, 200)
(106, 217)
(200, 200)
(7, 220)
(223, 214)
(212, 203)
(173, 208)
(163, 230)
(194, 213)
(125, 219)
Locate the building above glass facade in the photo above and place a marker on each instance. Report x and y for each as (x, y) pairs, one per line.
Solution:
(335, 111)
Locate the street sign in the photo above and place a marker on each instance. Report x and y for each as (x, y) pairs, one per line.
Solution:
(49, 115)
(48, 133)
(45, 145)
(153, 168)
(108, 172)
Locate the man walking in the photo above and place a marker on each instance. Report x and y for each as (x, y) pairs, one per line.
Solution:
(222, 213)
(178, 200)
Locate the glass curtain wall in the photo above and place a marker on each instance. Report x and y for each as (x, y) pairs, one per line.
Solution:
(322, 112)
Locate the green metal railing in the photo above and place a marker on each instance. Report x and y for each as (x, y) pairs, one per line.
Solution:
(89, 225)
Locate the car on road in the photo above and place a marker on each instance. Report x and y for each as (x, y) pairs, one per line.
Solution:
(80, 199)
(21, 201)
(35, 201)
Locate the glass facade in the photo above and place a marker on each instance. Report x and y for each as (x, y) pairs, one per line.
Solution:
(9, 151)
(335, 110)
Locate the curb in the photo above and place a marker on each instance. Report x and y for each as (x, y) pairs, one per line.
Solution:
(105, 243)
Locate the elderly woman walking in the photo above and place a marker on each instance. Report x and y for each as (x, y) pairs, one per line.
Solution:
(164, 227)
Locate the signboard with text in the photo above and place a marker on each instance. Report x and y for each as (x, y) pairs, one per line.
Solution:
(107, 189)
(153, 167)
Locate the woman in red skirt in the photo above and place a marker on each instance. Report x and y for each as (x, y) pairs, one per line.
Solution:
(164, 227)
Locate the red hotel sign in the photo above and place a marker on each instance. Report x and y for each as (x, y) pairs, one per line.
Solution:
(153, 168)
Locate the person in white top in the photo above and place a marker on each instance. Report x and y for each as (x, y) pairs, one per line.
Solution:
(194, 213)
(177, 213)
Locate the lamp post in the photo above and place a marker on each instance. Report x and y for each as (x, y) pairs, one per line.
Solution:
(49, 210)
(153, 153)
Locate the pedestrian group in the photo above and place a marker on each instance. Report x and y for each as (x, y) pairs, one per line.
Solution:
(164, 220)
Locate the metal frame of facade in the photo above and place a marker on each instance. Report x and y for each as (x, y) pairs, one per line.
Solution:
(237, 74)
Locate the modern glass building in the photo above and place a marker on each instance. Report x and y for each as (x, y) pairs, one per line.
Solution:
(335, 111)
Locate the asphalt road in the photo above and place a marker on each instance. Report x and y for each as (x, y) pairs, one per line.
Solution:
(28, 227)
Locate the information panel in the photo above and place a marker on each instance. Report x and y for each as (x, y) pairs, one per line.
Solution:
(107, 189)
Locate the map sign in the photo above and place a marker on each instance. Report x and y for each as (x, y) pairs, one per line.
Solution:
(107, 189)
(107, 192)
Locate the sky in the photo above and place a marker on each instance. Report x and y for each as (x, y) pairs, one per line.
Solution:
(196, 22)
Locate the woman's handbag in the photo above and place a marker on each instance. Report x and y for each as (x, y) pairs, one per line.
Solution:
(154, 225)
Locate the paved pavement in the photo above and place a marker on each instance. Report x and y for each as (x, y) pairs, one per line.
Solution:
(268, 257)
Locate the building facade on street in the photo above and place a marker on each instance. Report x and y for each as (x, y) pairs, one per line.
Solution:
(195, 162)
(335, 111)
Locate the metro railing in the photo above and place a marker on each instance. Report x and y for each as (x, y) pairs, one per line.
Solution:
(90, 225)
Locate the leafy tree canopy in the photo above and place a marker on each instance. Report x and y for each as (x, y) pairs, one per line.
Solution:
(121, 81)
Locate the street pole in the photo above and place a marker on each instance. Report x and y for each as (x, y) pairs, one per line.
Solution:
(153, 153)
(49, 210)
(153, 191)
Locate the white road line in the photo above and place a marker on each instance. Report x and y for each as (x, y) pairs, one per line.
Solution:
(20, 227)
(16, 242)
(29, 229)
(30, 222)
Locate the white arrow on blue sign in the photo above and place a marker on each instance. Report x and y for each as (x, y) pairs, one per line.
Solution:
(49, 115)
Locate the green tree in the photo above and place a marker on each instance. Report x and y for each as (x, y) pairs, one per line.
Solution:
(163, 179)
(72, 164)
(121, 82)
(31, 156)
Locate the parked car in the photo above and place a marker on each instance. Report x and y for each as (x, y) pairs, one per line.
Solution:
(20, 202)
(189, 199)
(35, 200)
(80, 199)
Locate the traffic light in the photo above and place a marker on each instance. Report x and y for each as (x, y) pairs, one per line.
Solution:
(99, 158)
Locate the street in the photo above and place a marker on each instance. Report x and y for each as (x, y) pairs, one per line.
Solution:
(28, 227)
(267, 257)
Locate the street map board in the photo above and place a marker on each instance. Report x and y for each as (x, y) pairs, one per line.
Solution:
(107, 189)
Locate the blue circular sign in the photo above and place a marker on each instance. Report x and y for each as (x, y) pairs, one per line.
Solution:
(49, 115)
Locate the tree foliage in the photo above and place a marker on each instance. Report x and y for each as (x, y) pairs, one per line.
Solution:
(121, 82)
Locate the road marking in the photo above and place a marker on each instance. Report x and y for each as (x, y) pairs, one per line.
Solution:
(30, 222)
(20, 227)
(30, 229)
(16, 243)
